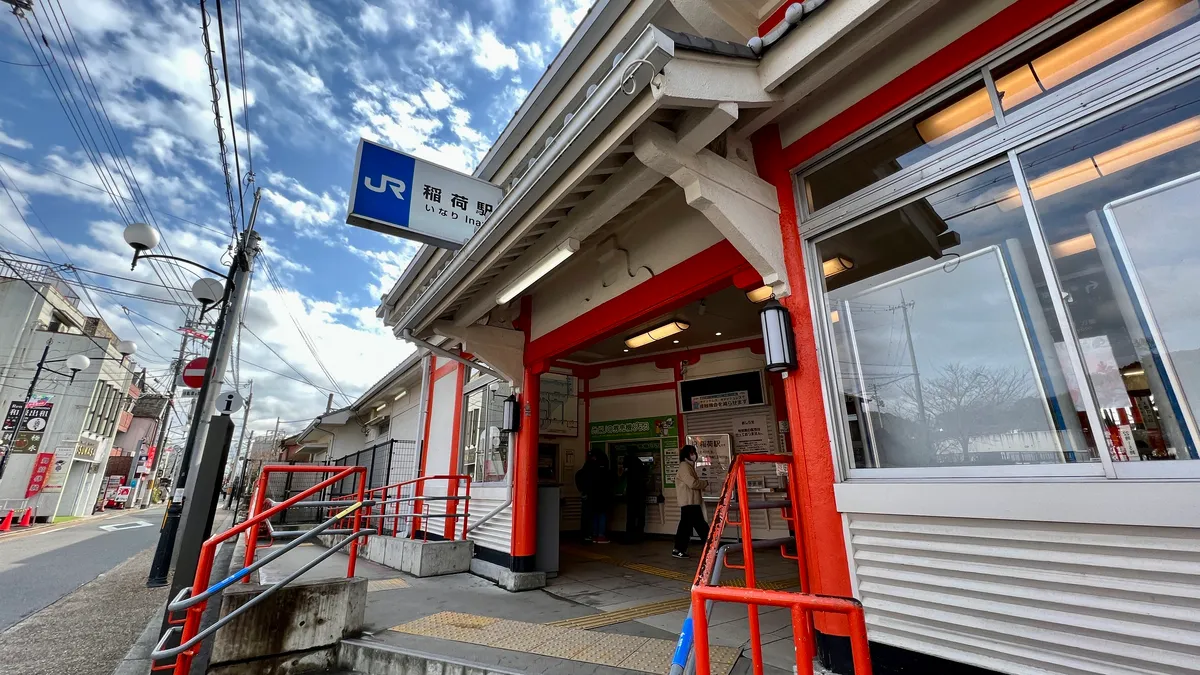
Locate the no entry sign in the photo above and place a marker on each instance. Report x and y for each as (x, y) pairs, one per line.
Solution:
(193, 372)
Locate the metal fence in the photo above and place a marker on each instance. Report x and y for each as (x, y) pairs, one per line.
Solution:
(387, 463)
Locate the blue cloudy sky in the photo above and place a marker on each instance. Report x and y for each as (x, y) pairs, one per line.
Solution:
(439, 78)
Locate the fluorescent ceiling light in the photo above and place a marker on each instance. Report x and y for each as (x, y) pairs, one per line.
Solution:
(836, 265)
(759, 294)
(381, 406)
(1066, 247)
(657, 333)
(402, 394)
(540, 269)
(835, 316)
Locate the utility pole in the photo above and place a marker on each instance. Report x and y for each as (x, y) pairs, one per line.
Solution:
(912, 355)
(10, 444)
(241, 439)
(236, 290)
(166, 420)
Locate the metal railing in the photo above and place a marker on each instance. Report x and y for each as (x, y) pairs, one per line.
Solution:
(411, 494)
(188, 628)
(706, 589)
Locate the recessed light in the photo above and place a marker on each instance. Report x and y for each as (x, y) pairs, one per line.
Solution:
(626, 350)
(675, 341)
(718, 333)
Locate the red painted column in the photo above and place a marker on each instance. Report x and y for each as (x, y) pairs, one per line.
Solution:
(813, 470)
(525, 480)
(455, 453)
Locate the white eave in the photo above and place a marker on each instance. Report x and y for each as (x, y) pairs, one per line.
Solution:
(619, 88)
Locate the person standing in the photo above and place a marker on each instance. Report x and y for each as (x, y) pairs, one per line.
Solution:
(595, 490)
(635, 499)
(689, 491)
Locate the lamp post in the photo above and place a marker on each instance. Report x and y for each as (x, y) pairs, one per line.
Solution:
(231, 295)
(74, 363)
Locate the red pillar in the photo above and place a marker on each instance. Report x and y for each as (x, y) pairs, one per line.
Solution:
(812, 471)
(525, 480)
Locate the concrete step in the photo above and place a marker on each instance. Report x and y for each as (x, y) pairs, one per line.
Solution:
(377, 658)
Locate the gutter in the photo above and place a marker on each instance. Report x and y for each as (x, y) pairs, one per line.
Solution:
(407, 335)
(612, 95)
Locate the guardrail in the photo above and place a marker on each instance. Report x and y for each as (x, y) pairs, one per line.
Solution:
(693, 647)
(188, 628)
(419, 506)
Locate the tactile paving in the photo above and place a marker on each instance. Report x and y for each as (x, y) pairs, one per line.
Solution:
(386, 584)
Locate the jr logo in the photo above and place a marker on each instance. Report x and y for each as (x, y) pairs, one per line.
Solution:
(397, 185)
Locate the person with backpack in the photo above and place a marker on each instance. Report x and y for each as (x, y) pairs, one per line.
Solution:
(595, 484)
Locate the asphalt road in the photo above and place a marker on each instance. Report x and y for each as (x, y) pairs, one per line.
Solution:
(42, 566)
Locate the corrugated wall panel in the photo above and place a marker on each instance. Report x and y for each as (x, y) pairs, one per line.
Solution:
(1032, 597)
(496, 533)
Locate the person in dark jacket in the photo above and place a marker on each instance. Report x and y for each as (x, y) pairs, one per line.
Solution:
(595, 485)
(635, 499)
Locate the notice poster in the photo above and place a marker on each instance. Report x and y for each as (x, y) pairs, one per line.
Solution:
(558, 406)
(731, 399)
(715, 454)
(750, 433)
(63, 455)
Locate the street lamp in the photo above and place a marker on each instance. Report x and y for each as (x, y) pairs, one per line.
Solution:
(74, 363)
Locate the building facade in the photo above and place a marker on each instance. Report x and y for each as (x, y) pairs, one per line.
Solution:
(80, 416)
(978, 216)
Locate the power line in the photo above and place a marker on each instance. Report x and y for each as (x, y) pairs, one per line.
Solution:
(216, 108)
(281, 359)
(32, 65)
(237, 161)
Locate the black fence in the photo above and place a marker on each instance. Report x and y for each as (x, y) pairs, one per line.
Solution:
(387, 463)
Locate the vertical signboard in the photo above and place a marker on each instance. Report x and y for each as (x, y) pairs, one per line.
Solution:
(41, 472)
(398, 194)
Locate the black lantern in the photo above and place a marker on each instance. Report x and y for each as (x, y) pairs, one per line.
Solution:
(778, 340)
(510, 422)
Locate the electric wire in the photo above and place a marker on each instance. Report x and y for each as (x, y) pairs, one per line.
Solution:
(216, 108)
(283, 360)
(237, 161)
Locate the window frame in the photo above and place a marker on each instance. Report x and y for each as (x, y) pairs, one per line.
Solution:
(1127, 81)
(484, 381)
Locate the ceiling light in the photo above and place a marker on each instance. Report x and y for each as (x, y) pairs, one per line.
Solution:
(540, 269)
(675, 341)
(402, 394)
(836, 265)
(381, 406)
(626, 350)
(718, 333)
(835, 316)
(1083, 242)
(657, 333)
(1134, 373)
(759, 294)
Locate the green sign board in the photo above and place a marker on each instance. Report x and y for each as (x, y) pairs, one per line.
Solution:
(639, 427)
(665, 429)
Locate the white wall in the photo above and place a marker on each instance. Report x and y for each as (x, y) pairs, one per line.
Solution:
(662, 238)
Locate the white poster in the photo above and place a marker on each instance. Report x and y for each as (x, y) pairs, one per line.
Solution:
(1105, 372)
(558, 406)
(712, 464)
(750, 433)
(63, 455)
(732, 399)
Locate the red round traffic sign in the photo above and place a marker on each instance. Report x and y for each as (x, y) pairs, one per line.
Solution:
(193, 372)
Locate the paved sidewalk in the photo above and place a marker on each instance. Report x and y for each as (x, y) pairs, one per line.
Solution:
(88, 631)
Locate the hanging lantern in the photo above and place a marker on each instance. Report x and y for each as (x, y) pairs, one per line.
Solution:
(510, 421)
(778, 340)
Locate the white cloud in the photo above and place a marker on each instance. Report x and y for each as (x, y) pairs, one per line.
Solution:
(304, 210)
(373, 19)
(533, 55)
(487, 51)
(438, 96)
(18, 143)
(565, 15)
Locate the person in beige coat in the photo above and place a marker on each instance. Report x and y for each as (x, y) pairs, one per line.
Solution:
(689, 491)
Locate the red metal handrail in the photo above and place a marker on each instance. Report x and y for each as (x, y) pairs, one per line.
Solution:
(802, 604)
(395, 490)
(208, 550)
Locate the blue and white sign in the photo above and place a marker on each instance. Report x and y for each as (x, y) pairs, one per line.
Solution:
(403, 196)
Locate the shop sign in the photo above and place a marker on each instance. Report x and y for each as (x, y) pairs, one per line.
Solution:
(59, 469)
(86, 451)
(41, 472)
(729, 399)
(398, 194)
(36, 414)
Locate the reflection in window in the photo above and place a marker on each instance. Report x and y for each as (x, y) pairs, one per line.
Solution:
(1113, 33)
(944, 337)
(485, 447)
(900, 147)
(1123, 238)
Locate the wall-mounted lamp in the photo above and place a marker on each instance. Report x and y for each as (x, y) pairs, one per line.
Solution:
(778, 340)
(759, 294)
(402, 394)
(510, 420)
(657, 333)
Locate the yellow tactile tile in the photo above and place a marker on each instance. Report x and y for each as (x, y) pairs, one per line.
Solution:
(527, 638)
(650, 658)
(386, 584)
(611, 649)
(568, 644)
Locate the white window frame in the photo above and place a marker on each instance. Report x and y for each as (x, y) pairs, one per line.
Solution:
(482, 382)
(1139, 75)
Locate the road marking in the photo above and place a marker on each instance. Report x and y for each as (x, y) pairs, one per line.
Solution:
(131, 525)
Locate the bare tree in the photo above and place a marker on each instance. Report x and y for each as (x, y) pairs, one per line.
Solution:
(969, 400)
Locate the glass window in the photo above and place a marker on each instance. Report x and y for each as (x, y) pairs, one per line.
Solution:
(485, 447)
(900, 147)
(1118, 201)
(946, 345)
(1109, 34)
